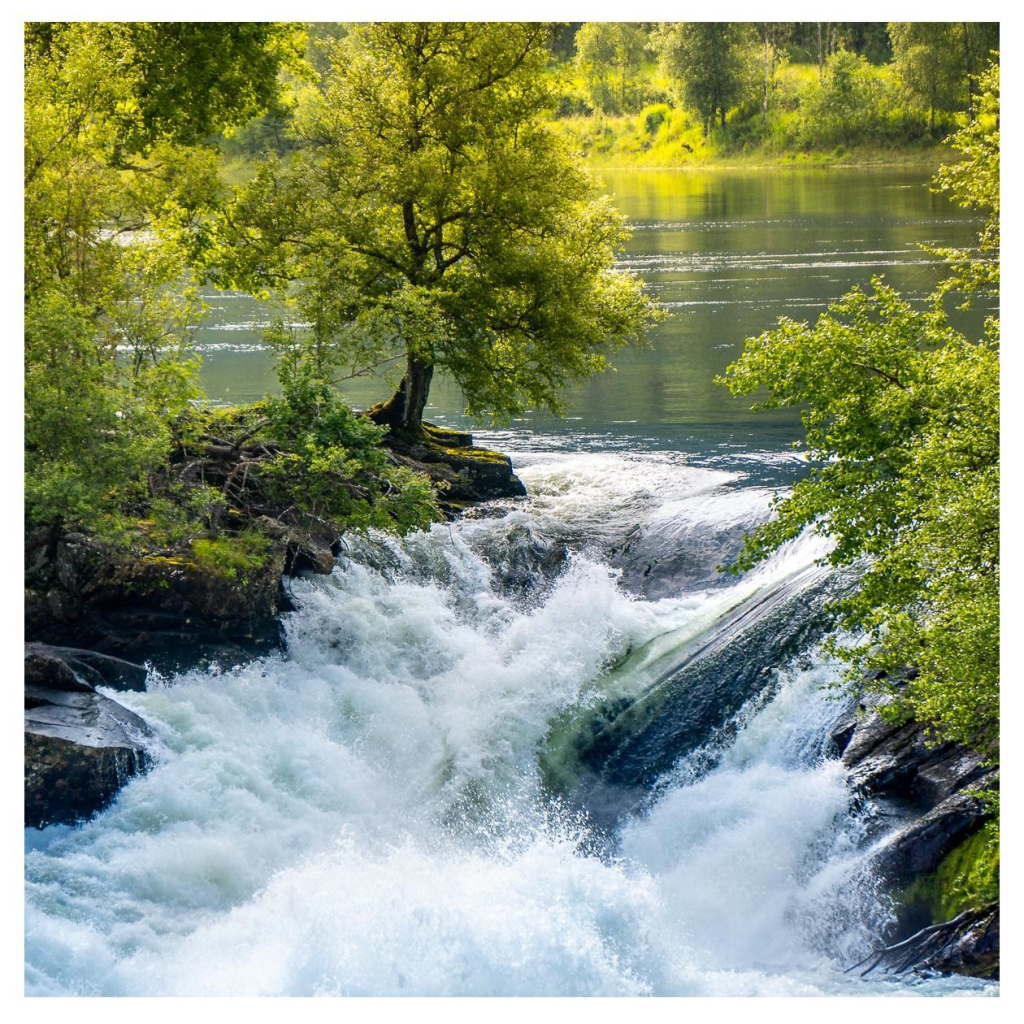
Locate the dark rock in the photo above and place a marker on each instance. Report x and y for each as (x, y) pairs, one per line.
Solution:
(155, 607)
(677, 699)
(902, 761)
(966, 944)
(80, 748)
(973, 948)
(71, 668)
(464, 473)
(46, 669)
(919, 847)
(934, 789)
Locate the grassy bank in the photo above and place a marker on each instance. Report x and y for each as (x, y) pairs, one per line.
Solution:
(801, 128)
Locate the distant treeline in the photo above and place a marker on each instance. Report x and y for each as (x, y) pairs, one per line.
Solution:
(673, 92)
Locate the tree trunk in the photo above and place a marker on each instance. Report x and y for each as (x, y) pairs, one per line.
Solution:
(404, 410)
(767, 81)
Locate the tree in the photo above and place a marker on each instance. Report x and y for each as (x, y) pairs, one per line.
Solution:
(901, 418)
(708, 63)
(841, 107)
(114, 203)
(772, 36)
(974, 182)
(929, 57)
(432, 216)
(610, 54)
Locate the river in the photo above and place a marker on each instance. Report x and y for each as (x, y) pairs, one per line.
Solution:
(479, 766)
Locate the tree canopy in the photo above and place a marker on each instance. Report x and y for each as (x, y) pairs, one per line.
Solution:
(432, 215)
(113, 201)
(609, 54)
(708, 62)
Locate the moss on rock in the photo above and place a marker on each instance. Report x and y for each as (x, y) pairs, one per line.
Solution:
(967, 878)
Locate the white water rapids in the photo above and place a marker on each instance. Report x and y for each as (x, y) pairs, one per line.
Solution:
(364, 814)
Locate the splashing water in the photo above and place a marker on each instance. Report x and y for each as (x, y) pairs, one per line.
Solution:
(365, 813)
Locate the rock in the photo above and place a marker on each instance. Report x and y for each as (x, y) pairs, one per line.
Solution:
(80, 748)
(465, 473)
(934, 789)
(973, 948)
(46, 669)
(155, 607)
(902, 761)
(919, 847)
(71, 668)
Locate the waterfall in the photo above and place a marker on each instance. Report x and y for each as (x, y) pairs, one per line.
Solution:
(391, 805)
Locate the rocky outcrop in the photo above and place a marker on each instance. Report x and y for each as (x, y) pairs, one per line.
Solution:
(902, 761)
(933, 789)
(150, 605)
(95, 612)
(463, 473)
(80, 746)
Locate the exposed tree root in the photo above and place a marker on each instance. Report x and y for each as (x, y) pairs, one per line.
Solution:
(962, 943)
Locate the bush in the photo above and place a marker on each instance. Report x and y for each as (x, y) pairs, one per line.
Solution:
(652, 118)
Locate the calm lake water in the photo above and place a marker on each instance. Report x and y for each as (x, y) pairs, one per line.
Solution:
(727, 253)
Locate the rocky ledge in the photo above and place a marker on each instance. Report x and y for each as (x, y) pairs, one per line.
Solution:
(931, 791)
(96, 613)
(80, 746)
(463, 473)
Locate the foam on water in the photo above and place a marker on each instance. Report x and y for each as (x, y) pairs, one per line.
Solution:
(363, 815)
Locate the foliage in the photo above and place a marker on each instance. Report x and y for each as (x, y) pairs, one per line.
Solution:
(821, 91)
(901, 418)
(974, 182)
(610, 55)
(709, 64)
(901, 414)
(332, 465)
(109, 305)
(937, 62)
(231, 556)
(432, 215)
(843, 106)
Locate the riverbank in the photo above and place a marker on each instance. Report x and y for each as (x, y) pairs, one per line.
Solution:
(666, 140)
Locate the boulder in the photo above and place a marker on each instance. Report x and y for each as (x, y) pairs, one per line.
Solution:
(72, 668)
(80, 749)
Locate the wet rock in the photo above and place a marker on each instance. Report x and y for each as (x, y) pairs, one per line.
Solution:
(158, 607)
(902, 761)
(80, 748)
(71, 668)
(918, 848)
(973, 946)
(934, 788)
